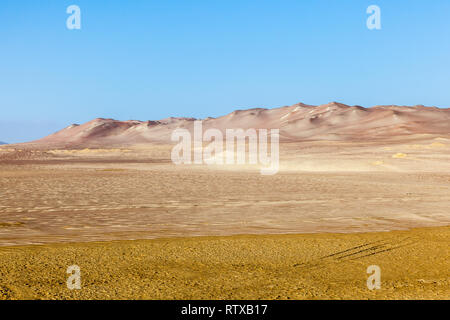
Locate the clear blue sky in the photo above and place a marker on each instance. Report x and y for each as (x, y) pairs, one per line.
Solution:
(152, 59)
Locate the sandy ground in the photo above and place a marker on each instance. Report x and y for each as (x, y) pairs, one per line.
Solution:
(414, 265)
(55, 205)
(123, 194)
(332, 193)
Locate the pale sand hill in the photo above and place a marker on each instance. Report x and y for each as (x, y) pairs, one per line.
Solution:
(300, 122)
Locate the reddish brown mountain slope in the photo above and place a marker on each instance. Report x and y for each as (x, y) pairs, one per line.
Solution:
(332, 121)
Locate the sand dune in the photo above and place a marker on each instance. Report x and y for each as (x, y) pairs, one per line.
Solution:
(300, 122)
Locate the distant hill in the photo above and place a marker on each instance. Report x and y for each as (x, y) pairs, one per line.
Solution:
(332, 121)
(2, 143)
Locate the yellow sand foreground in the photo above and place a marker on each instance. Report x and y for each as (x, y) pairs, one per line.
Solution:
(414, 265)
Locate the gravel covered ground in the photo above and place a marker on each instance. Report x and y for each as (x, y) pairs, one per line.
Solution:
(414, 265)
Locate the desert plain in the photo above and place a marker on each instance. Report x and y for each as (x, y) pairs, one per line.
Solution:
(141, 227)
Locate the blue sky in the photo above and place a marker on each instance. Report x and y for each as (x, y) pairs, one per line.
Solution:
(153, 59)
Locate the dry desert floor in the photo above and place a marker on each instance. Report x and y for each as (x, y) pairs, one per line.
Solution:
(140, 227)
(414, 265)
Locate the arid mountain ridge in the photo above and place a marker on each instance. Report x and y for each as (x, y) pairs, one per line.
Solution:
(300, 122)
